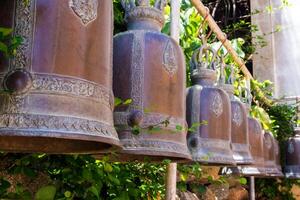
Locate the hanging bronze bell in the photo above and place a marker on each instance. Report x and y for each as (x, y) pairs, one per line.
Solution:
(292, 158)
(239, 121)
(209, 143)
(257, 150)
(269, 154)
(149, 70)
(278, 169)
(57, 90)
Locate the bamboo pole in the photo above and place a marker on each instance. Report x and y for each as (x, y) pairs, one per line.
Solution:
(221, 36)
(226, 43)
(171, 175)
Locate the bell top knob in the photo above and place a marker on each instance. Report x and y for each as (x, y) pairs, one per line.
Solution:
(203, 66)
(143, 16)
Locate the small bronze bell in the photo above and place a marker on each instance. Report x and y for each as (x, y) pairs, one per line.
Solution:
(292, 165)
(239, 121)
(149, 69)
(57, 89)
(278, 169)
(269, 154)
(210, 143)
(257, 150)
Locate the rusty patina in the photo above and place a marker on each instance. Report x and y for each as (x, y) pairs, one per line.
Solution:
(239, 119)
(57, 90)
(292, 158)
(149, 70)
(210, 143)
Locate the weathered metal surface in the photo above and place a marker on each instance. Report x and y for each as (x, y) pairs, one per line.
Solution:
(278, 168)
(149, 69)
(210, 143)
(257, 150)
(57, 91)
(292, 165)
(239, 122)
(269, 154)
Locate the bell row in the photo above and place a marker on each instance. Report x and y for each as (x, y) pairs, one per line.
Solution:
(58, 90)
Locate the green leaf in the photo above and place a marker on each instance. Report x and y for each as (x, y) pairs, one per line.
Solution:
(4, 185)
(68, 194)
(5, 31)
(108, 168)
(46, 193)
(29, 172)
(202, 189)
(179, 128)
(243, 181)
(127, 102)
(3, 48)
(94, 191)
(118, 101)
(113, 179)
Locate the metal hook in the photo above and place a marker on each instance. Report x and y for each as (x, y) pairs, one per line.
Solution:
(203, 22)
(128, 5)
(223, 42)
(222, 71)
(209, 34)
(248, 95)
(197, 58)
(231, 77)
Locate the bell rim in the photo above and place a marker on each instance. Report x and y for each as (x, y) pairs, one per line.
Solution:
(109, 143)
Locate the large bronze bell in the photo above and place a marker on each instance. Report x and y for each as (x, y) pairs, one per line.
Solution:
(210, 143)
(292, 158)
(239, 121)
(149, 69)
(57, 91)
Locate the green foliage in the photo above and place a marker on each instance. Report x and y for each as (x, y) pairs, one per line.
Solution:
(8, 43)
(283, 120)
(46, 193)
(83, 177)
(283, 117)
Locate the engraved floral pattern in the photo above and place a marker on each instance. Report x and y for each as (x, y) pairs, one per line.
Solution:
(46, 83)
(86, 10)
(137, 76)
(216, 104)
(169, 59)
(56, 123)
(237, 117)
(24, 24)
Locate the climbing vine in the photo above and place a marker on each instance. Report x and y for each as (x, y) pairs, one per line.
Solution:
(48, 177)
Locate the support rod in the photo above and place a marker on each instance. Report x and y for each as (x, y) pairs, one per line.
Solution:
(171, 175)
(171, 181)
(175, 20)
(252, 188)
